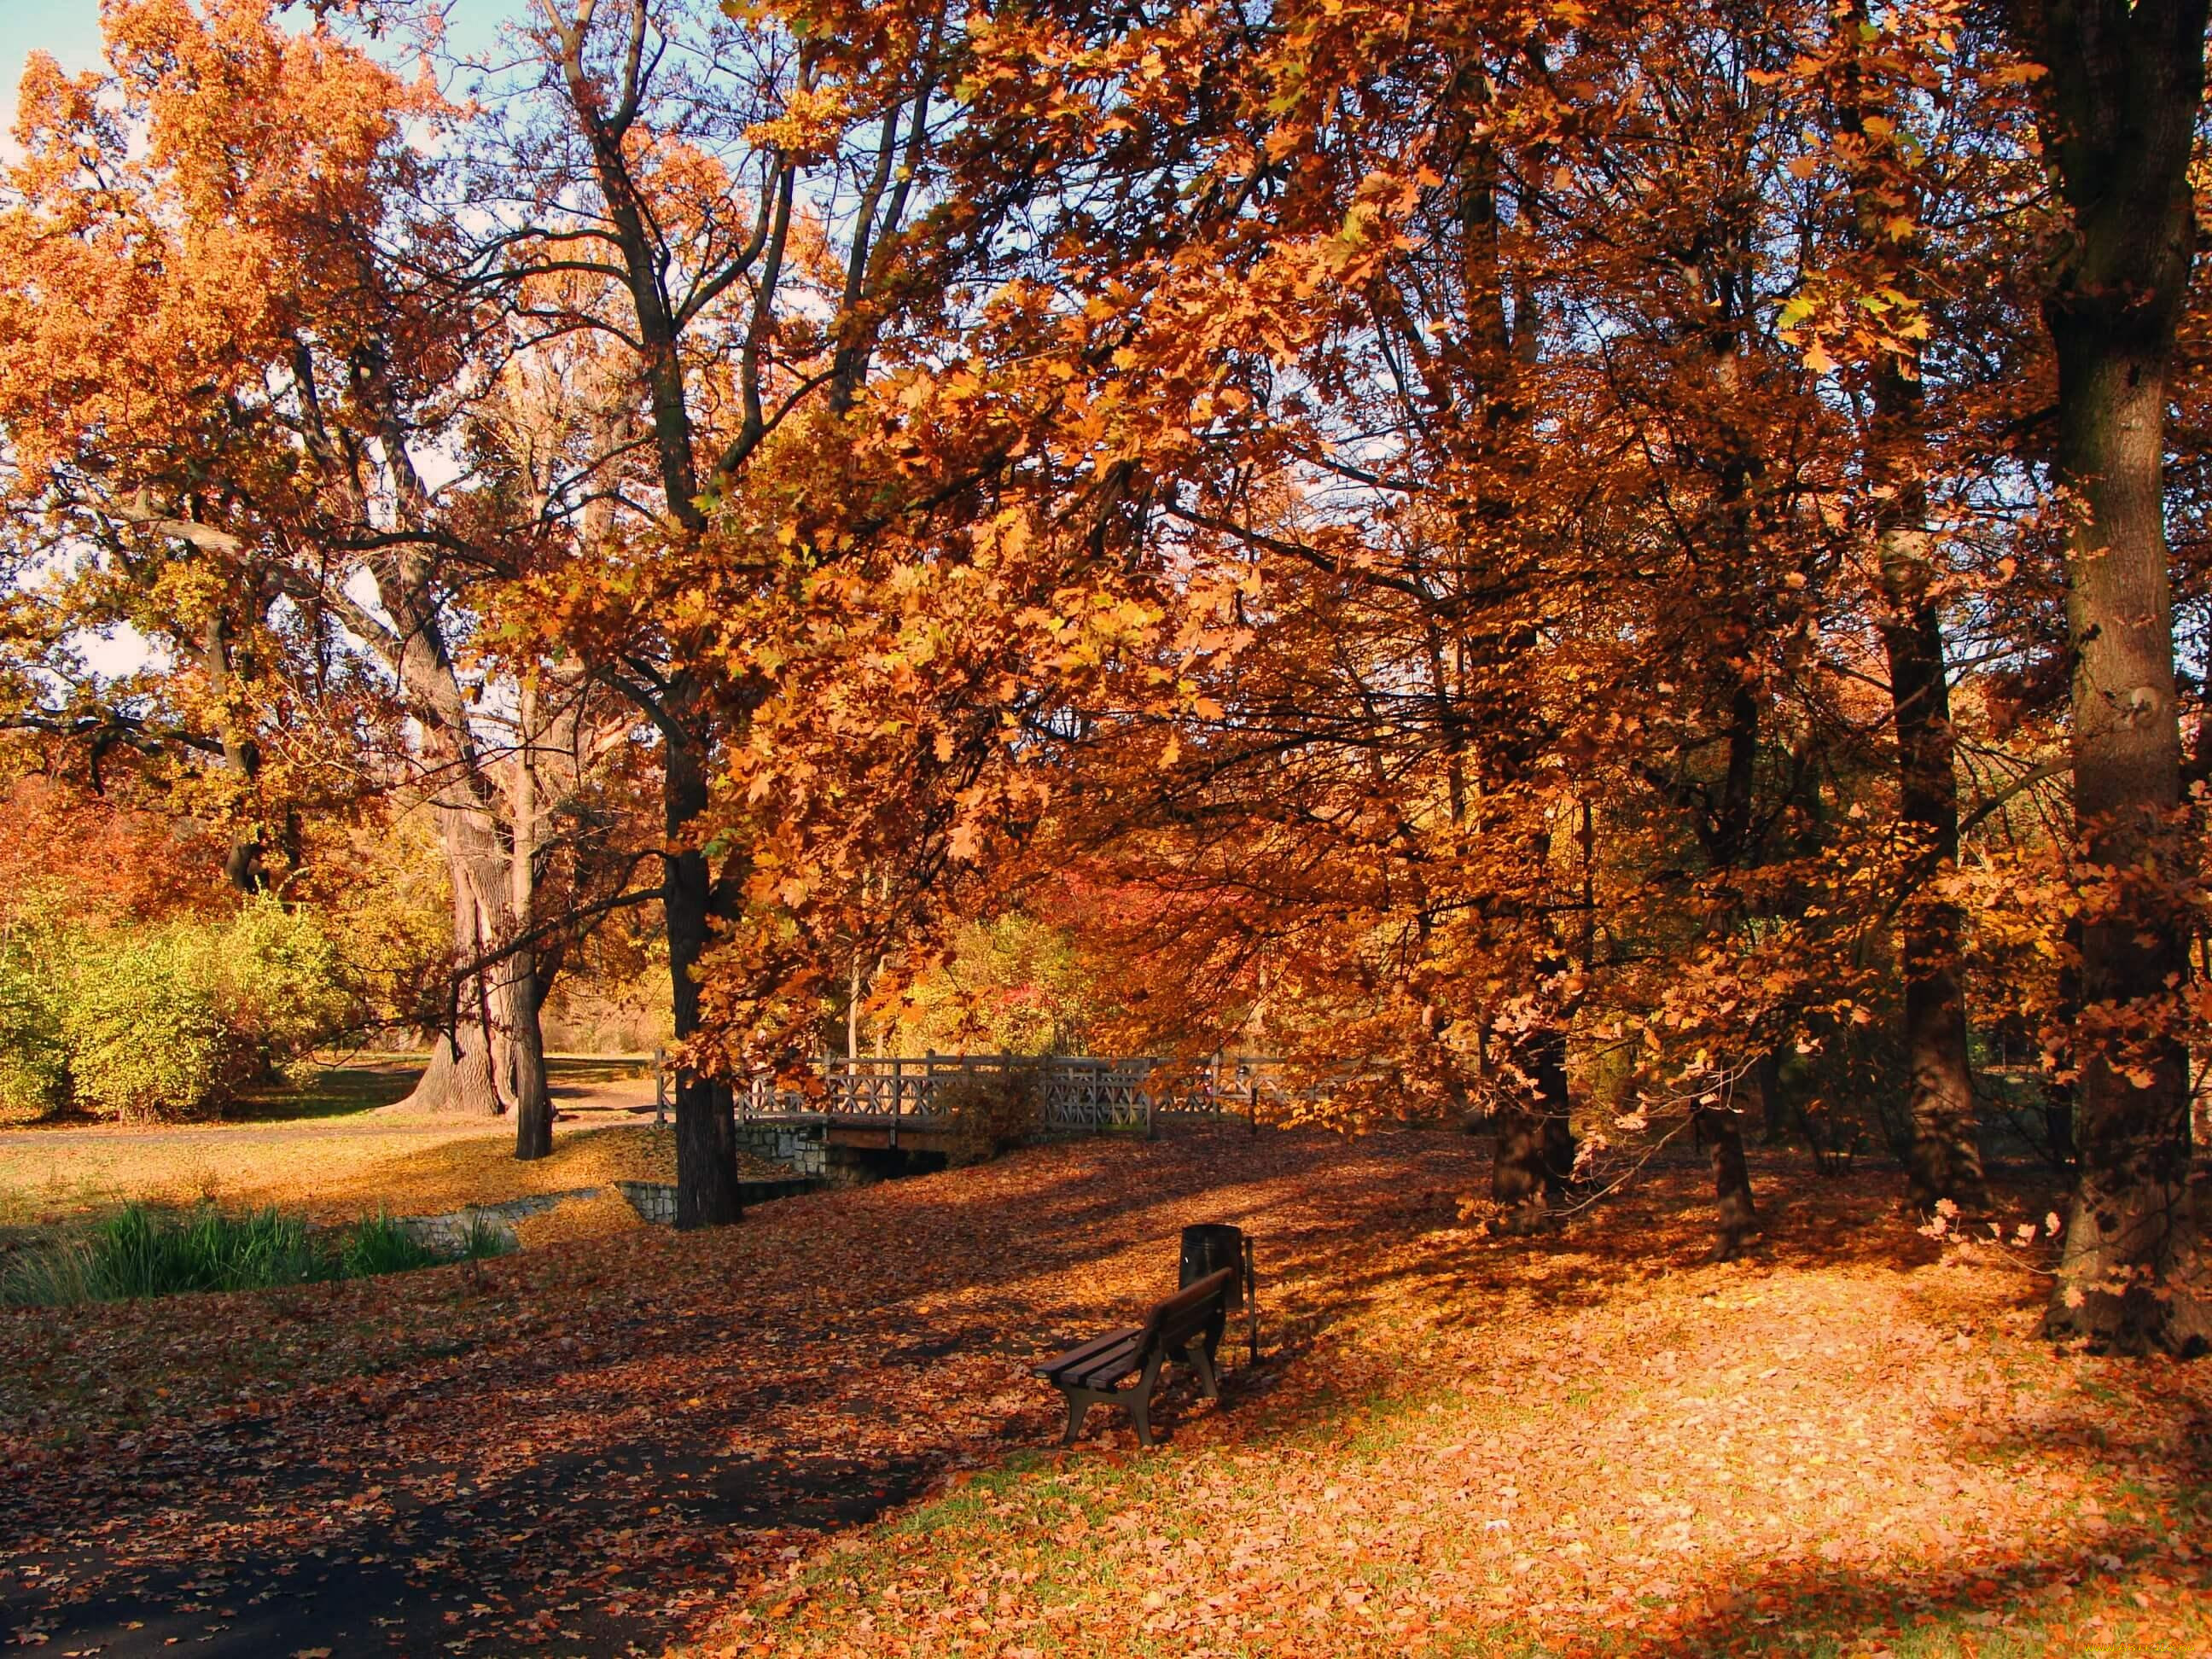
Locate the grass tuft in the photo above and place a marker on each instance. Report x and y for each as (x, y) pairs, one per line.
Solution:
(378, 1245)
(143, 1251)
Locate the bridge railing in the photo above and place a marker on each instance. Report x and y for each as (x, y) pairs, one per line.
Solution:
(1079, 1093)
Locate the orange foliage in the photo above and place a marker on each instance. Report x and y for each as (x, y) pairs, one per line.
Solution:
(106, 860)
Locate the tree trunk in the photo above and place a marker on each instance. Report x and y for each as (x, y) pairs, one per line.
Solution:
(1738, 1222)
(1764, 1078)
(1943, 1161)
(1554, 1108)
(458, 1079)
(707, 1193)
(522, 1059)
(2130, 1273)
(1730, 841)
(2119, 102)
(243, 867)
(523, 1048)
(1534, 1157)
(1516, 1169)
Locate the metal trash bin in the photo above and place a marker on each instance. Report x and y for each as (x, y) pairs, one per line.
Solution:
(1210, 1246)
(1207, 1248)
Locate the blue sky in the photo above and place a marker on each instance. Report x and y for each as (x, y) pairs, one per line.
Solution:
(68, 28)
(71, 30)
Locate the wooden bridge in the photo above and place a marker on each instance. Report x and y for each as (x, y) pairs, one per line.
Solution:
(879, 1097)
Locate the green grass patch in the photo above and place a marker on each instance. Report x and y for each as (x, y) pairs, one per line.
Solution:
(144, 1251)
(330, 1091)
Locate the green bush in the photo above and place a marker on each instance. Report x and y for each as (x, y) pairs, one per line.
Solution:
(33, 1061)
(167, 1022)
(279, 983)
(145, 1033)
(988, 1113)
(35, 950)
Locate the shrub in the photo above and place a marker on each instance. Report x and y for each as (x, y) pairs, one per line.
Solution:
(33, 1063)
(988, 1113)
(163, 1023)
(36, 946)
(279, 983)
(146, 1037)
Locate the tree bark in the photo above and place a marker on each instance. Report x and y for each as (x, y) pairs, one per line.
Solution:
(2120, 97)
(1945, 1162)
(524, 1039)
(458, 1079)
(1534, 1158)
(468, 1071)
(707, 1193)
(1516, 1169)
(1764, 1078)
(244, 865)
(1730, 842)
(2131, 1273)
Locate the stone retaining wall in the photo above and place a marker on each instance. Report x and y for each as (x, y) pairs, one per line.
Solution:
(653, 1201)
(448, 1234)
(804, 1146)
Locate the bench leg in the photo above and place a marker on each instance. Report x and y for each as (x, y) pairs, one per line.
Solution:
(1078, 1406)
(1202, 1363)
(1141, 1398)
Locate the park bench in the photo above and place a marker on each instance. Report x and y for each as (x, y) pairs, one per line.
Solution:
(1186, 1327)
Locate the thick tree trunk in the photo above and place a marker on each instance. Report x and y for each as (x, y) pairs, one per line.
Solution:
(523, 1048)
(1534, 1157)
(707, 1193)
(495, 1060)
(1942, 1159)
(2131, 1273)
(2120, 97)
(1730, 842)
(1516, 1169)
(458, 1079)
(1764, 1082)
(522, 1057)
(243, 867)
(1554, 1108)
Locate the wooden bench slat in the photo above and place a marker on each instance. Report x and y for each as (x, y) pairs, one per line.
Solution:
(1109, 1367)
(1059, 1362)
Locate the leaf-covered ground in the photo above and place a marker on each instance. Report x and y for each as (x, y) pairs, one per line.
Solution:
(1588, 1443)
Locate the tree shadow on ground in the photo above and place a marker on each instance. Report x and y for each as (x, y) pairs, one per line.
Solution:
(431, 1556)
(1823, 1611)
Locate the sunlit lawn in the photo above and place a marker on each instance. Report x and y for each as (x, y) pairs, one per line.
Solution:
(325, 1148)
